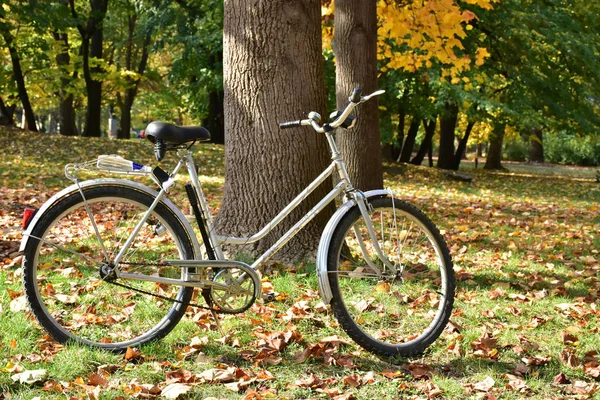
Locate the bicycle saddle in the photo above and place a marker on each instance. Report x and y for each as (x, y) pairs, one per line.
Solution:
(175, 135)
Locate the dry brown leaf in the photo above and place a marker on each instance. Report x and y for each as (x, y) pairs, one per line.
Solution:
(485, 385)
(215, 375)
(517, 384)
(569, 358)
(521, 369)
(561, 379)
(312, 382)
(418, 371)
(592, 368)
(97, 380)
(132, 354)
(537, 360)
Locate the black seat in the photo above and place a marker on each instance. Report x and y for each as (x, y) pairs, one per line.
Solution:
(175, 135)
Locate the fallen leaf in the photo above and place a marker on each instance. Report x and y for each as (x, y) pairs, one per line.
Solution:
(217, 375)
(132, 354)
(418, 371)
(485, 385)
(569, 358)
(174, 390)
(312, 382)
(592, 368)
(517, 384)
(561, 379)
(30, 377)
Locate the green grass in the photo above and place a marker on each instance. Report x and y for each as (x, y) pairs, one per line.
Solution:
(526, 248)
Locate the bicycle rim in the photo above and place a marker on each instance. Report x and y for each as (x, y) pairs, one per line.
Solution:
(74, 300)
(402, 307)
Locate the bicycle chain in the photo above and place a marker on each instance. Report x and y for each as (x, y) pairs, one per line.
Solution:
(156, 294)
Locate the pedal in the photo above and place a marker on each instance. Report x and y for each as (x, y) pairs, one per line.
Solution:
(269, 297)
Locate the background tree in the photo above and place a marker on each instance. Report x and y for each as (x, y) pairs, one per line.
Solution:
(92, 35)
(267, 167)
(6, 27)
(355, 47)
(131, 31)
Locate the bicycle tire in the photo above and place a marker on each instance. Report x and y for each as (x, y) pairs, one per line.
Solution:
(61, 272)
(395, 313)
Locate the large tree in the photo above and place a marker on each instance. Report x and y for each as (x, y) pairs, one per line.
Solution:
(355, 47)
(273, 72)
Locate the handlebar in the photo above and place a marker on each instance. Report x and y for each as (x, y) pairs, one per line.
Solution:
(314, 118)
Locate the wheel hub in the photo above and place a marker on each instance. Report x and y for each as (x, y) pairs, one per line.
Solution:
(107, 272)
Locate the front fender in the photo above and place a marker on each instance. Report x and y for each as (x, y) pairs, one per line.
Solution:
(108, 181)
(325, 241)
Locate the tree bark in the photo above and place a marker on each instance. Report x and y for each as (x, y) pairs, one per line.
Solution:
(355, 47)
(426, 145)
(214, 121)
(66, 116)
(409, 142)
(273, 72)
(6, 114)
(494, 156)
(462, 145)
(448, 122)
(20, 80)
(128, 99)
(536, 148)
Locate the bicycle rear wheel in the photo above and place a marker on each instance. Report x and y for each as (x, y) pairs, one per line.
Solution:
(391, 311)
(69, 293)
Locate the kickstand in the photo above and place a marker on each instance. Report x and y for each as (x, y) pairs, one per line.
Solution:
(217, 322)
(206, 295)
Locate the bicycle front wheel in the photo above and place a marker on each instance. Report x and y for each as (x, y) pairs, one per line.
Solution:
(70, 250)
(398, 306)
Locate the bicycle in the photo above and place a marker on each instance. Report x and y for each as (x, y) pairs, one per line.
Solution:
(113, 263)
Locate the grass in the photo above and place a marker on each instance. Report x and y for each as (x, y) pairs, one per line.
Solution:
(526, 248)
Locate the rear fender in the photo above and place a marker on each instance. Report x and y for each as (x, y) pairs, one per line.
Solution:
(69, 191)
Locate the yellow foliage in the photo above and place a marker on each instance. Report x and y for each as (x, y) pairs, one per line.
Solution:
(432, 31)
(482, 53)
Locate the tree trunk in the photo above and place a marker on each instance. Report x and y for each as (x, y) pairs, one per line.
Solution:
(409, 142)
(94, 86)
(215, 122)
(355, 47)
(494, 156)
(6, 114)
(91, 46)
(127, 103)
(426, 144)
(66, 116)
(448, 122)
(536, 149)
(273, 72)
(20, 80)
(462, 145)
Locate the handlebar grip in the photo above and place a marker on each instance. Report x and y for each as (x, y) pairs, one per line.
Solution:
(291, 124)
(356, 95)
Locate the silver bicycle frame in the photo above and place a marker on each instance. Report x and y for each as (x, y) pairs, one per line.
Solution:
(343, 187)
